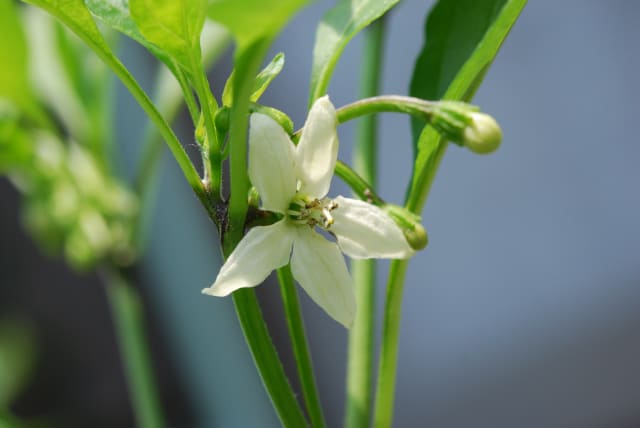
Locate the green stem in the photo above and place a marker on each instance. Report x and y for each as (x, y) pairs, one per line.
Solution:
(247, 65)
(266, 359)
(360, 187)
(385, 391)
(387, 369)
(300, 346)
(189, 99)
(128, 321)
(361, 335)
(211, 153)
(247, 308)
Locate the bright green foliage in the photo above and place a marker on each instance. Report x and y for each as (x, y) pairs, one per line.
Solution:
(116, 14)
(17, 358)
(462, 39)
(338, 26)
(75, 15)
(174, 26)
(251, 20)
(262, 81)
(14, 83)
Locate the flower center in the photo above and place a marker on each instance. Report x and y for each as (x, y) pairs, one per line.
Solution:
(305, 210)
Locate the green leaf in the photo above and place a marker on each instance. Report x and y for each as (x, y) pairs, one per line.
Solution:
(462, 39)
(261, 83)
(116, 14)
(75, 15)
(250, 20)
(338, 26)
(14, 74)
(17, 358)
(174, 26)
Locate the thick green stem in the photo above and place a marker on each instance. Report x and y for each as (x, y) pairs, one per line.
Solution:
(247, 308)
(385, 391)
(211, 153)
(361, 335)
(266, 359)
(247, 65)
(300, 346)
(387, 369)
(128, 321)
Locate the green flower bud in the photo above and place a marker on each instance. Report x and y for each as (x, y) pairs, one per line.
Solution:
(275, 114)
(483, 135)
(409, 223)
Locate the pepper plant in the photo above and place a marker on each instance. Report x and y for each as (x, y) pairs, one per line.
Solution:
(273, 213)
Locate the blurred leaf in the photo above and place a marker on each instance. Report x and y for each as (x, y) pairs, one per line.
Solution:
(75, 15)
(262, 81)
(338, 26)
(17, 359)
(15, 148)
(462, 37)
(250, 20)
(9, 421)
(174, 26)
(51, 76)
(14, 75)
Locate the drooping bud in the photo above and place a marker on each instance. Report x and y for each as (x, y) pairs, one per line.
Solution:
(483, 135)
(409, 223)
(275, 114)
(464, 125)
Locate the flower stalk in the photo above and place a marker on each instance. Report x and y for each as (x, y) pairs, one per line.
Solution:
(364, 177)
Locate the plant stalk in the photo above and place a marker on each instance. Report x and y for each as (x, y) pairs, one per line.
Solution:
(361, 335)
(300, 346)
(128, 321)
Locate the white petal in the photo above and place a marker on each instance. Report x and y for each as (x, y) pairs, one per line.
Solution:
(365, 231)
(319, 267)
(317, 151)
(262, 250)
(271, 163)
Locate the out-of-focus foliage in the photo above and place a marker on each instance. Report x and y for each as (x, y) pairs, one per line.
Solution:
(17, 359)
(72, 203)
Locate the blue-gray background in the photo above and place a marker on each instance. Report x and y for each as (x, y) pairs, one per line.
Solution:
(525, 308)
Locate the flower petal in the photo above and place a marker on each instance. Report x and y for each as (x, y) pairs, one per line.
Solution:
(271, 163)
(319, 267)
(262, 250)
(365, 231)
(317, 151)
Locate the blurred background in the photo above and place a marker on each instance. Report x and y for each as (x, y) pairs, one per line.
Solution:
(524, 310)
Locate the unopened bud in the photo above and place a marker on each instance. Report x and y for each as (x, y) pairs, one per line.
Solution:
(483, 135)
(253, 198)
(275, 114)
(409, 223)
(201, 131)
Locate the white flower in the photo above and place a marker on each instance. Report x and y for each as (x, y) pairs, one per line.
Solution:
(294, 181)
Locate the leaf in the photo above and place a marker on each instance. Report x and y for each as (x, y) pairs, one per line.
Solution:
(250, 20)
(116, 14)
(338, 26)
(174, 26)
(462, 39)
(14, 74)
(17, 358)
(261, 83)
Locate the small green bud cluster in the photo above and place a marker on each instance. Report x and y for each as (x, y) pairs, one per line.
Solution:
(72, 207)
